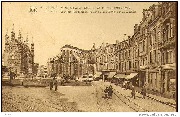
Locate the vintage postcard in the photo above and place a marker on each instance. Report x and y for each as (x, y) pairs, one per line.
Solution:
(89, 57)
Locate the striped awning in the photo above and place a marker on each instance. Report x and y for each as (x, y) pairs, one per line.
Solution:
(169, 66)
(111, 74)
(97, 74)
(120, 76)
(132, 75)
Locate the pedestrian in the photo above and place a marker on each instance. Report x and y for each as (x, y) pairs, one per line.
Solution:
(144, 92)
(55, 84)
(11, 76)
(51, 84)
(110, 91)
(106, 92)
(133, 92)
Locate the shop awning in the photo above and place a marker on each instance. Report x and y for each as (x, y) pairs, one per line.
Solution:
(143, 67)
(173, 80)
(98, 74)
(169, 66)
(132, 75)
(111, 74)
(120, 76)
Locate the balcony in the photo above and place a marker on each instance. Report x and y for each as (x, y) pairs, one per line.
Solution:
(167, 44)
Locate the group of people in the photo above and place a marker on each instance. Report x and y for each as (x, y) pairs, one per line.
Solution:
(143, 92)
(108, 92)
(54, 83)
(12, 76)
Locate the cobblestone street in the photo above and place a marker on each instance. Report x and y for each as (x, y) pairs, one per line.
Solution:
(70, 99)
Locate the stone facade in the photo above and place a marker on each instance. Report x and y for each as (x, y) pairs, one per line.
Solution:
(18, 56)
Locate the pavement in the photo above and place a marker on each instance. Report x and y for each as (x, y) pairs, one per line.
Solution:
(151, 103)
(66, 99)
(20, 99)
(77, 99)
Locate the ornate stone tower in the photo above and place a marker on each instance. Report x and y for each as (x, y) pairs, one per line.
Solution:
(20, 36)
(12, 34)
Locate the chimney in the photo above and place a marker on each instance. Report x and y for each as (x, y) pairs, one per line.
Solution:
(135, 28)
(117, 41)
(107, 44)
(124, 38)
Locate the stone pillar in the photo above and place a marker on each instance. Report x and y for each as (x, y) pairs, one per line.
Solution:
(165, 80)
(95, 70)
(147, 77)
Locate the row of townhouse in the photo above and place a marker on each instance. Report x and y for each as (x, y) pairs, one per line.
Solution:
(151, 51)
(148, 55)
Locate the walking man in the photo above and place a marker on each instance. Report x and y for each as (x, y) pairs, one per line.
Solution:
(11, 76)
(51, 84)
(55, 84)
(110, 92)
(133, 92)
(144, 92)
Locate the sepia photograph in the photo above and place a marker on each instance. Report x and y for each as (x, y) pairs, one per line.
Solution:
(89, 56)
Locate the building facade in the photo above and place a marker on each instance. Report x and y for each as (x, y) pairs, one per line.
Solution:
(72, 62)
(18, 55)
(105, 57)
(150, 52)
(152, 49)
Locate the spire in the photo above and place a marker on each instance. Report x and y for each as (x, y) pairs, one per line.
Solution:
(32, 39)
(27, 39)
(6, 37)
(93, 48)
(13, 27)
(124, 38)
(20, 36)
(12, 33)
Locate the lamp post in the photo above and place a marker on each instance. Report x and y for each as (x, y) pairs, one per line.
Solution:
(162, 81)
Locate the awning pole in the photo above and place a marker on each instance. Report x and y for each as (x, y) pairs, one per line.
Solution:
(103, 78)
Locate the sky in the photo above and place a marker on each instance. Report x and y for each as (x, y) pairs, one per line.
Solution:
(52, 30)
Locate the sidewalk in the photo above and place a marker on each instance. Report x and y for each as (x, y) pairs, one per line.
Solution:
(158, 103)
(154, 97)
(162, 99)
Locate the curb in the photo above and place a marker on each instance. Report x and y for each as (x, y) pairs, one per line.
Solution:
(166, 103)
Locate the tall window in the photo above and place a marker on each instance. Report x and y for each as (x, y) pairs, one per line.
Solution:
(125, 66)
(158, 58)
(165, 34)
(151, 76)
(155, 79)
(151, 39)
(150, 55)
(144, 43)
(122, 69)
(170, 57)
(155, 35)
(155, 56)
(119, 66)
(141, 46)
(172, 28)
(129, 64)
(163, 57)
